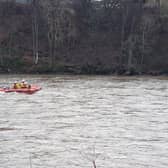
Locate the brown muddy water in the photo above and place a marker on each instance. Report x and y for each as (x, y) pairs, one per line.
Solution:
(121, 120)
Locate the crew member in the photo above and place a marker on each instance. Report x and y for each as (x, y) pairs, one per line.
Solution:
(23, 84)
(16, 85)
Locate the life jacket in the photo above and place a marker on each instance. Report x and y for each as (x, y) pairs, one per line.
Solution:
(16, 86)
(23, 85)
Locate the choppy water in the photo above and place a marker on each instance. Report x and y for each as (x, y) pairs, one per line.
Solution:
(124, 120)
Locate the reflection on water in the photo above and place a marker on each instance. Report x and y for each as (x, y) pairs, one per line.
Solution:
(126, 119)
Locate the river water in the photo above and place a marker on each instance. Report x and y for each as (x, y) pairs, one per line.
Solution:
(120, 121)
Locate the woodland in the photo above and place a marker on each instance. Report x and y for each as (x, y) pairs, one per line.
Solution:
(123, 37)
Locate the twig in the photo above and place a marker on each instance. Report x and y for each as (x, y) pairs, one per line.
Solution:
(92, 158)
(94, 163)
(30, 161)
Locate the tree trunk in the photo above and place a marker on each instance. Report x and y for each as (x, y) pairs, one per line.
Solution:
(130, 54)
(35, 32)
(1, 57)
(52, 45)
(10, 45)
(131, 46)
(124, 19)
(158, 3)
(143, 47)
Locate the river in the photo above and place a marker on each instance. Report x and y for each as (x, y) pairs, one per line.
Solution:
(120, 121)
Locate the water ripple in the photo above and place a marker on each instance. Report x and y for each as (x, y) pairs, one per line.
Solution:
(124, 118)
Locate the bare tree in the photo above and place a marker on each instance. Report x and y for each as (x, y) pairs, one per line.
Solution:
(61, 26)
(35, 30)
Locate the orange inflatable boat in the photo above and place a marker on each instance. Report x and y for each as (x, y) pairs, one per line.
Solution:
(31, 90)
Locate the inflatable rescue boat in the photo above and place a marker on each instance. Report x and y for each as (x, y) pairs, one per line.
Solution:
(31, 90)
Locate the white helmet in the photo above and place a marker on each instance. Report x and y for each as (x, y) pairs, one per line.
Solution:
(23, 80)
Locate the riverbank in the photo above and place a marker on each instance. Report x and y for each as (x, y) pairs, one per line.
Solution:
(64, 70)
